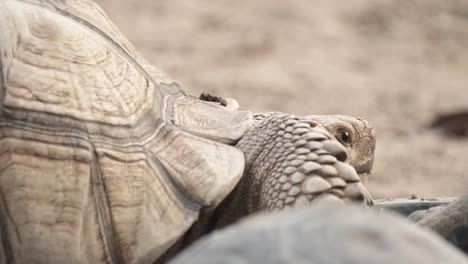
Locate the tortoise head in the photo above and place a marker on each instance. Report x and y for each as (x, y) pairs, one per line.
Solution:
(356, 135)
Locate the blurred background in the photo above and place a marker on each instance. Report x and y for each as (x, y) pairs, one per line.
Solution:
(398, 63)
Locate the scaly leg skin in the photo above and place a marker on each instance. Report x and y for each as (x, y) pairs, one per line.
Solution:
(294, 161)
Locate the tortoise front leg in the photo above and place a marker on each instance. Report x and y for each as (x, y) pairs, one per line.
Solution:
(292, 161)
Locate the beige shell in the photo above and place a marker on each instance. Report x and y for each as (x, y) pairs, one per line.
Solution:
(102, 157)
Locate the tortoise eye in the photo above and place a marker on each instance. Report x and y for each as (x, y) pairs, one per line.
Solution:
(344, 137)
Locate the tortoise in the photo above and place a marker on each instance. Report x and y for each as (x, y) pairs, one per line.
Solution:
(104, 158)
(323, 234)
(449, 221)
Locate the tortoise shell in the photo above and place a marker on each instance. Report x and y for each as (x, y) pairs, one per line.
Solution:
(103, 158)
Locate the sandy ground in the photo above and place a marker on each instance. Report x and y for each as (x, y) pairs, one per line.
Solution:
(397, 63)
